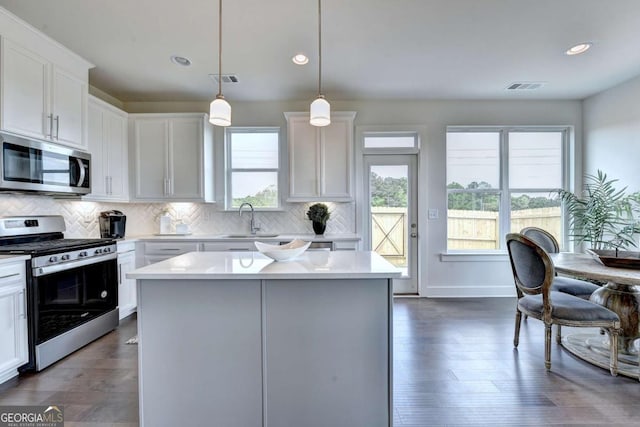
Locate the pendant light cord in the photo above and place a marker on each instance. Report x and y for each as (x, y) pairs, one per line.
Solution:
(319, 49)
(220, 48)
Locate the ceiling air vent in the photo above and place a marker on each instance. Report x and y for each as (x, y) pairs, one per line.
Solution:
(525, 85)
(226, 78)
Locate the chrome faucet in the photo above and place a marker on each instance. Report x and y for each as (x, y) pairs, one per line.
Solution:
(252, 224)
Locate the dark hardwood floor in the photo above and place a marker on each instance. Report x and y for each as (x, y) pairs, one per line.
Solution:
(454, 364)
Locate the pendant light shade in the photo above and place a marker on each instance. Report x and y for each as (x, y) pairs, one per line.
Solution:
(320, 112)
(220, 110)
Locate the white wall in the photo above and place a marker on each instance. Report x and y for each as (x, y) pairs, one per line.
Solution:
(460, 277)
(612, 133)
(484, 276)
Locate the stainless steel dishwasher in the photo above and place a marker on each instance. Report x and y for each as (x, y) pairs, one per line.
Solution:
(317, 246)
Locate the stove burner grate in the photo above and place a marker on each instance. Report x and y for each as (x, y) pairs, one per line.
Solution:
(52, 245)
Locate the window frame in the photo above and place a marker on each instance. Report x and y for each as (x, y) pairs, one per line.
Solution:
(389, 132)
(504, 191)
(228, 170)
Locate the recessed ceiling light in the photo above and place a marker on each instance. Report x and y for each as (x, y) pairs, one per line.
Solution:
(300, 59)
(180, 60)
(579, 48)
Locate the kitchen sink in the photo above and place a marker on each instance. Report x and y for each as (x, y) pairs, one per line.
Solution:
(249, 236)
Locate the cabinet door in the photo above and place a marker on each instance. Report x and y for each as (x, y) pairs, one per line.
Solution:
(325, 356)
(25, 88)
(150, 153)
(127, 299)
(335, 170)
(69, 95)
(304, 158)
(185, 153)
(13, 320)
(320, 158)
(229, 246)
(115, 153)
(96, 146)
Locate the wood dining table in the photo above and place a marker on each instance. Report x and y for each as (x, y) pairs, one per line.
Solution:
(620, 292)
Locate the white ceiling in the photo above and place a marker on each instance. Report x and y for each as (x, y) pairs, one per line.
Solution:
(372, 49)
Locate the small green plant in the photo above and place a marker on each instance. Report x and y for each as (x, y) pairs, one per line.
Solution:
(318, 212)
(603, 216)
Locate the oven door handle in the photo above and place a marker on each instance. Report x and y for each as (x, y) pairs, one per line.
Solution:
(43, 271)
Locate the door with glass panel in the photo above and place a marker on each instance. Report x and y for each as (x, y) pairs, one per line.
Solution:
(391, 215)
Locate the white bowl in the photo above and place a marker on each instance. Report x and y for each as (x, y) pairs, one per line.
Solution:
(283, 252)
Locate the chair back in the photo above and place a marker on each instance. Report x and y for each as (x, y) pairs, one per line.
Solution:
(533, 270)
(543, 238)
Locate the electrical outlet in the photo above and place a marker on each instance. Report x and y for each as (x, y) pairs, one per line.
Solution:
(433, 214)
(88, 218)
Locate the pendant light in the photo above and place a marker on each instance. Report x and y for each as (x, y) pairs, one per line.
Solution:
(220, 110)
(320, 112)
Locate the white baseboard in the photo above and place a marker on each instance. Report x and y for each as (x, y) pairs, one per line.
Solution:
(449, 291)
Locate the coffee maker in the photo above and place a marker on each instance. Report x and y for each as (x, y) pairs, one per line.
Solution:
(112, 224)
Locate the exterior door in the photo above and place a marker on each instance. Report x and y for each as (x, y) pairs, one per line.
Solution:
(391, 215)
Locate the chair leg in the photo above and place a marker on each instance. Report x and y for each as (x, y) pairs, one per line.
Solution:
(547, 346)
(613, 351)
(559, 334)
(516, 335)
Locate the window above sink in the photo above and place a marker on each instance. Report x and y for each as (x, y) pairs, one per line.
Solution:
(252, 167)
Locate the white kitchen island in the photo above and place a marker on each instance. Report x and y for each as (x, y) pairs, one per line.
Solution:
(236, 339)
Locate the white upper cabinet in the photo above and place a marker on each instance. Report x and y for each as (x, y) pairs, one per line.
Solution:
(68, 108)
(107, 143)
(172, 157)
(320, 158)
(41, 99)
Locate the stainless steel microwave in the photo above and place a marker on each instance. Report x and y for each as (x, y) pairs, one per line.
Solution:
(37, 166)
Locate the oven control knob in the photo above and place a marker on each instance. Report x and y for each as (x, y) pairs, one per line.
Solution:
(53, 259)
(65, 257)
(107, 249)
(82, 254)
(98, 251)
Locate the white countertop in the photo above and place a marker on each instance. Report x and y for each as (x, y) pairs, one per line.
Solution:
(254, 265)
(7, 259)
(225, 237)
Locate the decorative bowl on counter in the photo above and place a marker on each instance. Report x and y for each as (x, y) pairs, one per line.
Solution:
(283, 252)
(613, 258)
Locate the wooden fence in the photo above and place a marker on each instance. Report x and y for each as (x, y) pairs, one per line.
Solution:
(480, 229)
(388, 234)
(466, 229)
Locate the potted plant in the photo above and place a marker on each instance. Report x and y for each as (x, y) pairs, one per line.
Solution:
(603, 216)
(318, 213)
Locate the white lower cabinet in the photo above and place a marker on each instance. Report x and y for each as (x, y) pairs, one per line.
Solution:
(127, 298)
(14, 350)
(230, 246)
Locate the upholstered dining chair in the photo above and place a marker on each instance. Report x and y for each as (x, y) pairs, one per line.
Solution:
(567, 285)
(533, 275)
(543, 238)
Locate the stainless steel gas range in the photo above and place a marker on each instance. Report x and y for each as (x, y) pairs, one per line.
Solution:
(72, 286)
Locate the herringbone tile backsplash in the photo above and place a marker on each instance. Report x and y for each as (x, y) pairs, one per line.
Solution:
(143, 218)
